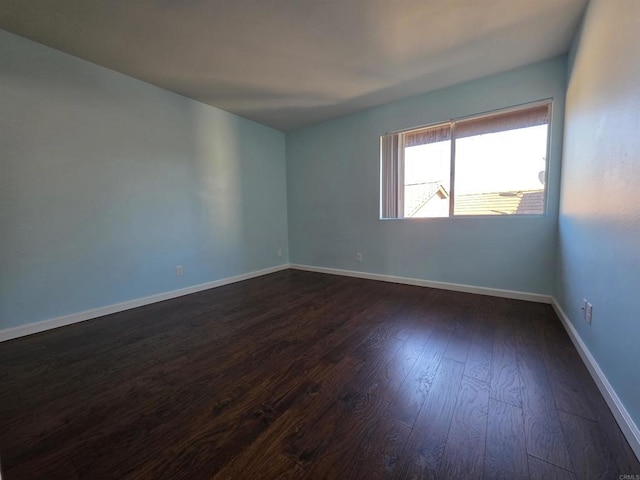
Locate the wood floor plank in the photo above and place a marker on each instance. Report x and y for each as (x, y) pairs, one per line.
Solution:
(52, 467)
(342, 325)
(592, 457)
(611, 432)
(612, 435)
(408, 400)
(478, 363)
(460, 341)
(567, 389)
(506, 449)
(294, 434)
(562, 363)
(385, 381)
(464, 451)
(539, 470)
(80, 418)
(426, 444)
(378, 454)
(543, 432)
(505, 377)
(381, 342)
(338, 434)
(276, 467)
(205, 440)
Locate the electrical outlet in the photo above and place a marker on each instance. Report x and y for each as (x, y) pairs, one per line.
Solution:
(279, 252)
(588, 313)
(179, 270)
(583, 305)
(358, 257)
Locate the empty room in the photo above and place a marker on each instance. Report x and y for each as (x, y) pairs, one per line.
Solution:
(319, 239)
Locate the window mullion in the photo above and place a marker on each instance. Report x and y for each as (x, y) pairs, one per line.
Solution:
(452, 170)
(400, 173)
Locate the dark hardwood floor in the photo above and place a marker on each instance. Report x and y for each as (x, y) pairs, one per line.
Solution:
(300, 375)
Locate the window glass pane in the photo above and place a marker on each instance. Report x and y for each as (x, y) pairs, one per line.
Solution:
(427, 172)
(502, 172)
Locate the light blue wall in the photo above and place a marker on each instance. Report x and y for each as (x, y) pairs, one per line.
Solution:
(108, 183)
(599, 222)
(333, 177)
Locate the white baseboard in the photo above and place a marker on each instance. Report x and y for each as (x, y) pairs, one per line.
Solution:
(626, 423)
(31, 328)
(456, 287)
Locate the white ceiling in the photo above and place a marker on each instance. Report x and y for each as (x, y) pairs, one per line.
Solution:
(291, 63)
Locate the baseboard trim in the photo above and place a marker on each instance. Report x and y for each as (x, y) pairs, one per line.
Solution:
(456, 287)
(31, 328)
(626, 423)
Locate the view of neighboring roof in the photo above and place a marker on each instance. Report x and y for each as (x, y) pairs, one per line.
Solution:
(529, 202)
(416, 195)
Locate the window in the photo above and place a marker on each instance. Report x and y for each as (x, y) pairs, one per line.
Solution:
(490, 164)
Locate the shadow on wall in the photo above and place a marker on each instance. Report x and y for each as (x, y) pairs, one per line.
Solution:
(218, 199)
(239, 197)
